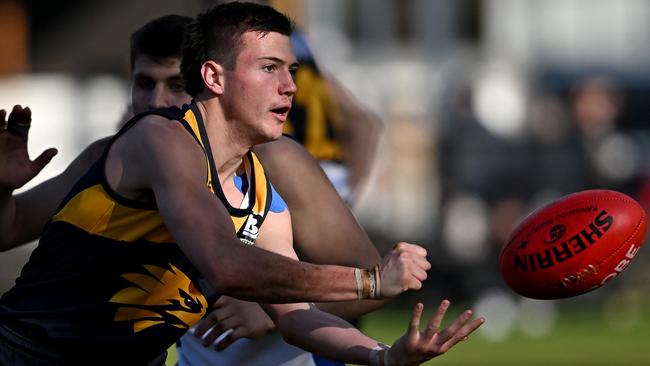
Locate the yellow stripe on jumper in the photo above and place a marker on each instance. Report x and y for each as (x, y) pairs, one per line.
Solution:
(95, 212)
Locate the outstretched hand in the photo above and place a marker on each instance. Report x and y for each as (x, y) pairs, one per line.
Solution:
(16, 168)
(416, 347)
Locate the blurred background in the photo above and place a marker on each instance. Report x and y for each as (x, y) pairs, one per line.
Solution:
(491, 109)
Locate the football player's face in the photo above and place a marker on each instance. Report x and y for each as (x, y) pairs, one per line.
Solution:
(259, 89)
(157, 84)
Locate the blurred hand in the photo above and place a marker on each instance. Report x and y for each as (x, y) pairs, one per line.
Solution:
(16, 168)
(404, 268)
(416, 347)
(246, 319)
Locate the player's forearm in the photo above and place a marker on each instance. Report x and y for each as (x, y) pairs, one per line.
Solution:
(7, 218)
(351, 310)
(248, 272)
(23, 216)
(325, 335)
(257, 275)
(253, 274)
(32, 209)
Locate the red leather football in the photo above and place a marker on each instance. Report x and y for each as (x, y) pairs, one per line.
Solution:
(573, 245)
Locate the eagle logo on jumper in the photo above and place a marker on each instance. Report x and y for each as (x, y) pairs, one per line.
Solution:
(160, 296)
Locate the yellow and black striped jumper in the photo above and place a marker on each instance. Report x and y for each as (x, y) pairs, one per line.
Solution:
(107, 282)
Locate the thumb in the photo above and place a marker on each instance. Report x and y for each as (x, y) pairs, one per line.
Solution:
(42, 160)
(399, 352)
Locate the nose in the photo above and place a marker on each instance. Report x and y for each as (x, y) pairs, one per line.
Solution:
(287, 85)
(157, 98)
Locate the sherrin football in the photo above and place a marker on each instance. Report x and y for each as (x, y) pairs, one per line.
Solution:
(573, 245)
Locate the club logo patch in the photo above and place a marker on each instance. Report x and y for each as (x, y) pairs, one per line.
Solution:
(160, 296)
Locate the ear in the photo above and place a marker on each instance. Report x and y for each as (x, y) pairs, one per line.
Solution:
(213, 76)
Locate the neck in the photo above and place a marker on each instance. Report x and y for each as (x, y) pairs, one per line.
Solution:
(228, 145)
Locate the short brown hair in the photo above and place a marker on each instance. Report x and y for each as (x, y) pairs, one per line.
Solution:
(216, 35)
(159, 39)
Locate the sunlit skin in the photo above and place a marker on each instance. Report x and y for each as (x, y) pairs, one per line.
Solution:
(157, 84)
(258, 91)
(249, 105)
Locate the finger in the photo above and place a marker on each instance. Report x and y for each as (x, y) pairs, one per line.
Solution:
(19, 121)
(228, 338)
(224, 308)
(436, 319)
(418, 273)
(219, 328)
(413, 248)
(414, 324)
(27, 114)
(453, 329)
(422, 262)
(414, 260)
(413, 284)
(205, 324)
(17, 114)
(17, 109)
(410, 248)
(463, 333)
(42, 160)
(3, 114)
(210, 337)
(233, 322)
(221, 302)
(224, 313)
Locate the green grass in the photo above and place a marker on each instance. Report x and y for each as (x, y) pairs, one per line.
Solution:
(582, 336)
(171, 356)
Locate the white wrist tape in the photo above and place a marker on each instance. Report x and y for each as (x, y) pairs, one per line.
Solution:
(368, 282)
(357, 276)
(377, 276)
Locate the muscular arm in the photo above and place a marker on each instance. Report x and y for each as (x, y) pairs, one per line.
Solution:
(305, 326)
(324, 334)
(324, 229)
(159, 156)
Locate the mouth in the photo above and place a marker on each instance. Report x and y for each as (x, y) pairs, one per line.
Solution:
(281, 112)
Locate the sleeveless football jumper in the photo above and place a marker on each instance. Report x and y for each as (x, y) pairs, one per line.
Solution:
(107, 281)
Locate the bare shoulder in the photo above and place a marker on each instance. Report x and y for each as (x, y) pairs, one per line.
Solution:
(154, 152)
(159, 134)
